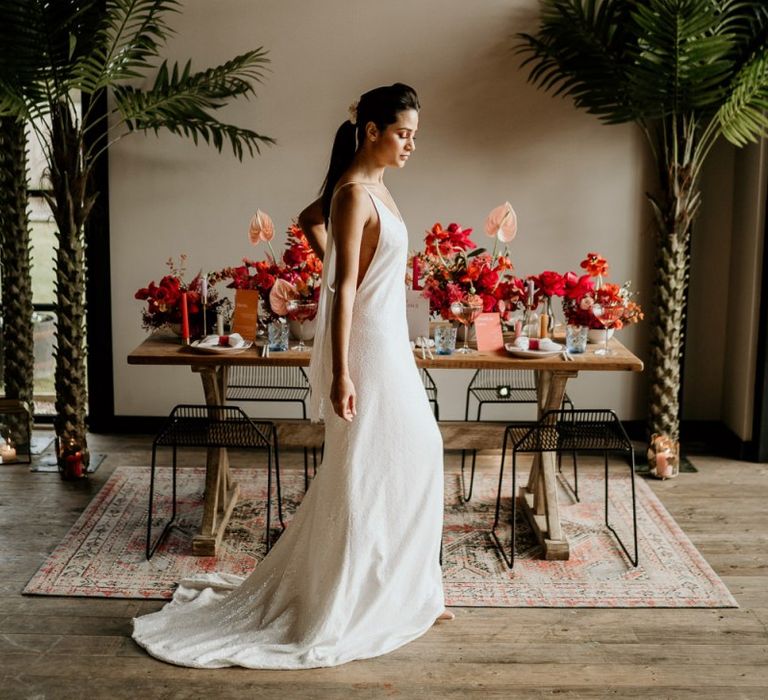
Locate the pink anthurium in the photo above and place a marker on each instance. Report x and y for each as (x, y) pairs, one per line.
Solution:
(281, 293)
(261, 228)
(502, 223)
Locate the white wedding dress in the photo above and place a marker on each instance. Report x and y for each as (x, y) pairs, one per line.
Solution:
(356, 573)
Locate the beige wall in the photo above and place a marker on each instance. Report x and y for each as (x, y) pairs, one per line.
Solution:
(486, 136)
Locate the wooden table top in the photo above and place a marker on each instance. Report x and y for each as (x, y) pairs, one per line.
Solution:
(162, 349)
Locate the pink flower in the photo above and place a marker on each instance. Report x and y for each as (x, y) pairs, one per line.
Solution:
(502, 223)
(261, 228)
(282, 292)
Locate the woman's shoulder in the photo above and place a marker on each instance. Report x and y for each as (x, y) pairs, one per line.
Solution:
(350, 195)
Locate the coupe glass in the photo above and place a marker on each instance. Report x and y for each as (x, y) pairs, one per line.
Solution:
(301, 310)
(607, 313)
(465, 313)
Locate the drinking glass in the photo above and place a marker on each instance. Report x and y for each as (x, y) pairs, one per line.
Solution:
(301, 310)
(465, 313)
(576, 338)
(445, 339)
(607, 313)
(277, 335)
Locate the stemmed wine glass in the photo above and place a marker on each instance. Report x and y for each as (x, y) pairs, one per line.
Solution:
(465, 312)
(607, 312)
(301, 310)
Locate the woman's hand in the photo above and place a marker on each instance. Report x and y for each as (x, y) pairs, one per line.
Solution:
(343, 397)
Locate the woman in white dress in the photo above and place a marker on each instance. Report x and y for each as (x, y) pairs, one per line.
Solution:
(356, 574)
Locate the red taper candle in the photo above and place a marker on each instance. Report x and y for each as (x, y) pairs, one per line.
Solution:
(184, 319)
(416, 273)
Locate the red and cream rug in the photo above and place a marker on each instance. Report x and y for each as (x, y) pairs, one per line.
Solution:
(103, 553)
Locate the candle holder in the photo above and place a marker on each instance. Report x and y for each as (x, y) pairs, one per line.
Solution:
(71, 459)
(664, 457)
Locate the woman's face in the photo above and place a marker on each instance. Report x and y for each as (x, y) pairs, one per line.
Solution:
(393, 146)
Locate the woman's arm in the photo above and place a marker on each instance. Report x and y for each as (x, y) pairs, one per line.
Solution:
(351, 213)
(312, 223)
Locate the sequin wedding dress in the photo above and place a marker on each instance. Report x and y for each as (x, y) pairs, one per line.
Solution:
(356, 572)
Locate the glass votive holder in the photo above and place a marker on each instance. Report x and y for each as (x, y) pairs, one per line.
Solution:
(277, 335)
(576, 338)
(445, 339)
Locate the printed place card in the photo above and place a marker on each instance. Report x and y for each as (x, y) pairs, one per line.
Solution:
(488, 332)
(246, 313)
(417, 312)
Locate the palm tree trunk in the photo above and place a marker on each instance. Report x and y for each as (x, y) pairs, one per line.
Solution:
(18, 334)
(675, 211)
(70, 208)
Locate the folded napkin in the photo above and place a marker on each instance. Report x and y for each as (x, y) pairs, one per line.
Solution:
(524, 343)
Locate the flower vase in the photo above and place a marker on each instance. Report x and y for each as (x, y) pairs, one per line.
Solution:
(305, 332)
(597, 335)
(550, 315)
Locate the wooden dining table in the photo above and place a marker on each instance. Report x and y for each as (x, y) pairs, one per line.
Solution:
(538, 497)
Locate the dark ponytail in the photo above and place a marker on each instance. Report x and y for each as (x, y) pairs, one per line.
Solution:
(380, 106)
(342, 153)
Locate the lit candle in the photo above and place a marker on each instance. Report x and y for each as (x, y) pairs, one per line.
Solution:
(7, 452)
(663, 467)
(184, 319)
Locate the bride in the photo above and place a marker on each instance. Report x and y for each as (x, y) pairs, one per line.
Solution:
(356, 574)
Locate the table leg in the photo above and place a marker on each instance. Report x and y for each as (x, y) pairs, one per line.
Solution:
(220, 491)
(538, 498)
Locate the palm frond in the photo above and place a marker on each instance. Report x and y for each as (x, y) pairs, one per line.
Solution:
(128, 37)
(743, 116)
(683, 60)
(580, 51)
(182, 102)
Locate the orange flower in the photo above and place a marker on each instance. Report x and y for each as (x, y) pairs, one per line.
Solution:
(595, 264)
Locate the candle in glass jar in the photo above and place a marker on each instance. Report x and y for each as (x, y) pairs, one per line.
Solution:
(663, 467)
(184, 319)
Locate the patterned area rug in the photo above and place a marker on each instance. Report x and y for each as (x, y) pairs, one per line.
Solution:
(103, 554)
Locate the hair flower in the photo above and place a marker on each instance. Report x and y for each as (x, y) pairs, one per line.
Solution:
(353, 112)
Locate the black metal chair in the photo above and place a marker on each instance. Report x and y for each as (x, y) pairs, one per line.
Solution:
(508, 386)
(431, 388)
(574, 430)
(213, 426)
(272, 383)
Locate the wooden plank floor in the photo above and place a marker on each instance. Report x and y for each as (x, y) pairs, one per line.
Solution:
(80, 647)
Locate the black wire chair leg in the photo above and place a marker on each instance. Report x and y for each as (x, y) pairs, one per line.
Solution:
(511, 560)
(151, 548)
(633, 559)
(306, 470)
(467, 495)
(314, 462)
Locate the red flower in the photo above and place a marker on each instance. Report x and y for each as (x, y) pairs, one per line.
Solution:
(575, 286)
(265, 280)
(551, 284)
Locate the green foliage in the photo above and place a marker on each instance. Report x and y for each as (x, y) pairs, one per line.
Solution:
(50, 49)
(646, 60)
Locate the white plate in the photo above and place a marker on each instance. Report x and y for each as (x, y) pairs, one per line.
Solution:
(532, 354)
(210, 345)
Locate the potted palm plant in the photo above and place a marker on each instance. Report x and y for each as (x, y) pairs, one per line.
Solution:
(53, 51)
(687, 72)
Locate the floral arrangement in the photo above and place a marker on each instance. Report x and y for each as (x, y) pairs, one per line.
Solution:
(582, 292)
(294, 275)
(164, 298)
(449, 273)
